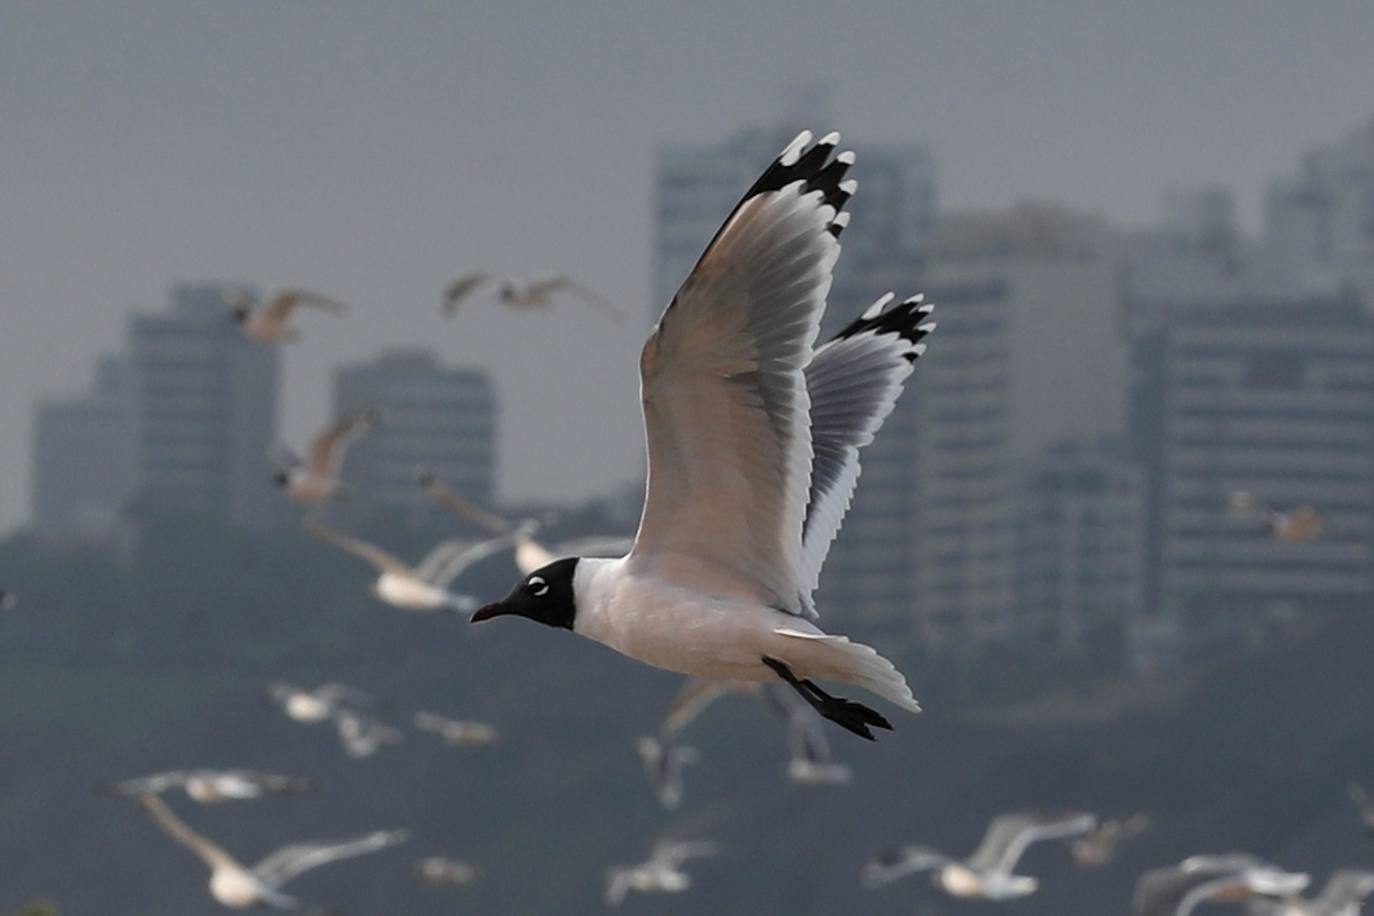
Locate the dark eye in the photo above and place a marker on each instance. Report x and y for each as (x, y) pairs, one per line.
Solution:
(537, 586)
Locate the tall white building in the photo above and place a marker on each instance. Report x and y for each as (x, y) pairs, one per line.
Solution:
(1030, 350)
(867, 576)
(434, 416)
(205, 405)
(84, 470)
(1273, 398)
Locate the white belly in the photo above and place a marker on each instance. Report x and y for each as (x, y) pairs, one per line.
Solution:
(410, 594)
(235, 888)
(307, 489)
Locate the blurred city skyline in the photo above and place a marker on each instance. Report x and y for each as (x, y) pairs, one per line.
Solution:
(149, 144)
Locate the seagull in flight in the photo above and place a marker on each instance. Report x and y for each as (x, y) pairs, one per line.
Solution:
(270, 322)
(422, 587)
(661, 874)
(456, 732)
(753, 438)
(1098, 846)
(363, 735)
(1343, 895)
(524, 295)
(988, 873)
(318, 705)
(239, 887)
(440, 871)
(1293, 525)
(530, 554)
(1178, 890)
(209, 787)
(317, 480)
(663, 763)
(811, 762)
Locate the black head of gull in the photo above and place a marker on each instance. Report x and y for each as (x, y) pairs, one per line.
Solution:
(545, 596)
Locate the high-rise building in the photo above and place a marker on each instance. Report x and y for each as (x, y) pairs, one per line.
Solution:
(205, 405)
(1081, 544)
(1030, 350)
(1266, 397)
(433, 416)
(867, 575)
(83, 455)
(1319, 222)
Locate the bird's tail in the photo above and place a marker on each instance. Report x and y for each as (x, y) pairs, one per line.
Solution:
(859, 664)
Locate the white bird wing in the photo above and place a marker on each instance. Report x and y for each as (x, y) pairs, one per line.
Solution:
(547, 286)
(288, 300)
(464, 286)
(694, 696)
(379, 559)
(458, 562)
(618, 882)
(209, 852)
(153, 784)
(1009, 834)
(290, 861)
(854, 381)
(596, 546)
(328, 448)
(726, 409)
(672, 853)
(443, 494)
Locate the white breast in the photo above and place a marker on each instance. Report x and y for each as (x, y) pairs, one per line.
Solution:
(235, 888)
(409, 593)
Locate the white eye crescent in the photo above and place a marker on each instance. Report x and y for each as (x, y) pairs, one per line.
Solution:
(538, 586)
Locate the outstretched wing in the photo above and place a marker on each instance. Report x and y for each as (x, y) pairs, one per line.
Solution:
(726, 408)
(854, 381)
(540, 289)
(443, 494)
(463, 286)
(208, 852)
(1009, 834)
(379, 558)
(327, 449)
(288, 300)
(451, 565)
(155, 784)
(288, 862)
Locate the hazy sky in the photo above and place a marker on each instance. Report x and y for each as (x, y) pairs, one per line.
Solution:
(373, 150)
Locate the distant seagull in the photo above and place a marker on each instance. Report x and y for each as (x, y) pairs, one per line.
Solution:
(1294, 525)
(440, 871)
(753, 439)
(530, 554)
(210, 787)
(697, 694)
(661, 874)
(424, 586)
(311, 706)
(361, 734)
(811, 762)
(457, 732)
(986, 874)
(1343, 895)
(270, 322)
(317, 480)
(663, 763)
(239, 887)
(1098, 846)
(524, 295)
(1364, 807)
(1178, 890)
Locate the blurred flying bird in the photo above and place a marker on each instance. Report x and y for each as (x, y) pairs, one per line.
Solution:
(524, 295)
(311, 706)
(270, 322)
(753, 439)
(1177, 890)
(439, 871)
(424, 586)
(317, 480)
(661, 874)
(1343, 895)
(1294, 525)
(988, 873)
(8, 601)
(456, 732)
(663, 762)
(697, 694)
(361, 734)
(530, 554)
(811, 762)
(239, 887)
(210, 786)
(1364, 807)
(1098, 846)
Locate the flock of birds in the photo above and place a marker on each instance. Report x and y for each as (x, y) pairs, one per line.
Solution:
(754, 433)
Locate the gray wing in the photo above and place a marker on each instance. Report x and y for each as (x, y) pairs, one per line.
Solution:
(547, 286)
(381, 560)
(464, 286)
(726, 408)
(1009, 834)
(459, 562)
(854, 381)
(155, 784)
(290, 861)
(1346, 888)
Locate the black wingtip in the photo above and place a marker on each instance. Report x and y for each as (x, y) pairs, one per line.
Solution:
(812, 164)
(906, 319)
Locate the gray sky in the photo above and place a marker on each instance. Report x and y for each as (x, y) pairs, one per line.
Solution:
(373, 150)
